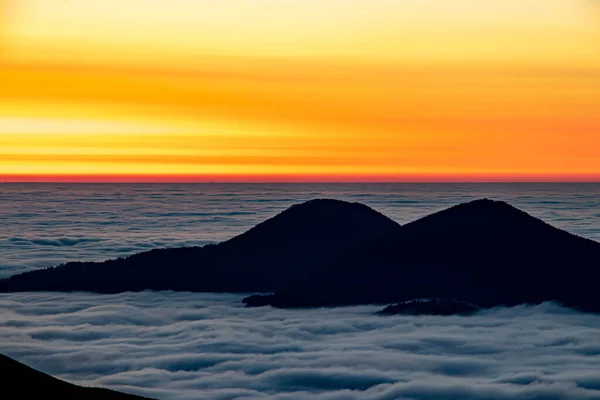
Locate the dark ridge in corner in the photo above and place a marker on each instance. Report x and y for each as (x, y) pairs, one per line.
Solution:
(22, 382)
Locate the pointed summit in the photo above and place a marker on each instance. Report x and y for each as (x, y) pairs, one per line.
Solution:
(479, 212)
(485, 207)
(481, 219)
(327, 219)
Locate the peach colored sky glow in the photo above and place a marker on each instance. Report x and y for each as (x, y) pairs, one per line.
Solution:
(299, 90)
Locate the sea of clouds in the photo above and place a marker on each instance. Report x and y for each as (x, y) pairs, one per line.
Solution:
(199, 346)
(207, 346)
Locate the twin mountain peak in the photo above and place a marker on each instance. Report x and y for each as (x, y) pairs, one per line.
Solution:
(330, 252)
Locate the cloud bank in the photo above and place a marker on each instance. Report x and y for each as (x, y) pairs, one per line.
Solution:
(181, 346)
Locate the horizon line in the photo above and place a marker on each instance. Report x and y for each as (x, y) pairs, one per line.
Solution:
(306, 179)
(290, 182)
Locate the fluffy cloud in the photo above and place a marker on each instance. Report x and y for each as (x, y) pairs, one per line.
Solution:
(199, 346)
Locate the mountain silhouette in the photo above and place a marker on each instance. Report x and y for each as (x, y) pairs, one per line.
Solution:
(484, 252)
(330, 252)
(22, 382)
(273, 254)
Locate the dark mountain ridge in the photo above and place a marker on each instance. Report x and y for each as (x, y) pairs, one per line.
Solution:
(329, 253)
(483, 252)
(301, 239)
(22, 382)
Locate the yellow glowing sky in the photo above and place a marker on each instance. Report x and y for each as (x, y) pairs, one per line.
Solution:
(299, 90)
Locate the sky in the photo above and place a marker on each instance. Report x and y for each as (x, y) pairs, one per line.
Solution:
(299, 90)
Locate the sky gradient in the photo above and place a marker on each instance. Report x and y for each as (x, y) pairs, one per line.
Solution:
(287, 90)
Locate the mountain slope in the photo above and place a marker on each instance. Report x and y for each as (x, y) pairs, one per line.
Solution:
(484, 252)
(299, 240)
(22, 382)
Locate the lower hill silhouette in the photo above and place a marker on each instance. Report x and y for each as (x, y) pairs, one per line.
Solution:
(22, 382)
(442, 307)
(301, 239)
(484, 252)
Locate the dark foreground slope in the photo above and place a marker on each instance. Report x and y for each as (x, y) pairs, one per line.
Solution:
(21, 382)
(485, 252)
(301, 239)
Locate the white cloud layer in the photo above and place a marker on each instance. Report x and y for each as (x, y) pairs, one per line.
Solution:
(198, 346)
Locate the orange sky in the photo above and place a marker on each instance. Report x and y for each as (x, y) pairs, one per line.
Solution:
(299, 90)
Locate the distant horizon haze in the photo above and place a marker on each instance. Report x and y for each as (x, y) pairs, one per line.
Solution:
(283, 179)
